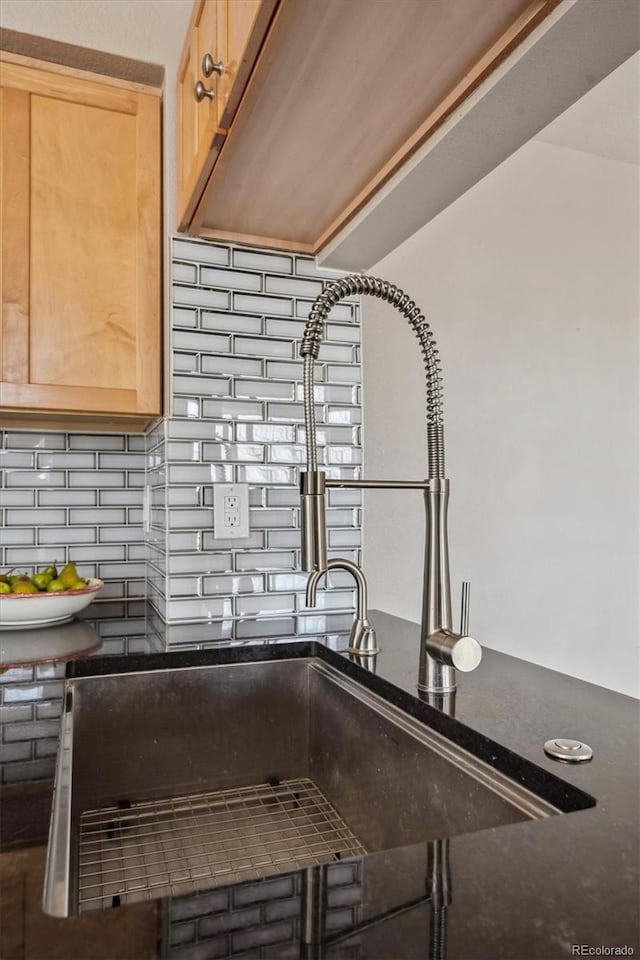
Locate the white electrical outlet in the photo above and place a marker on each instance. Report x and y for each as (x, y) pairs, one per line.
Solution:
(230, 511)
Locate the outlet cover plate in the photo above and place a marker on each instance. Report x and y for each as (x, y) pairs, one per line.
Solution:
(230, 511)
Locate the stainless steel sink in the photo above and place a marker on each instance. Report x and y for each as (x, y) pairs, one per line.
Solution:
(171, 781)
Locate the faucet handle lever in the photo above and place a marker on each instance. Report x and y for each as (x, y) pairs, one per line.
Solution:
(464, 609)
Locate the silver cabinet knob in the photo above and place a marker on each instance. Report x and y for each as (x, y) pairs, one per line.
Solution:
(200, 92)
(209, 66)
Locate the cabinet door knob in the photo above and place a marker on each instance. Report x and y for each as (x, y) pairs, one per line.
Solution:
(200, 92)
(209, 66)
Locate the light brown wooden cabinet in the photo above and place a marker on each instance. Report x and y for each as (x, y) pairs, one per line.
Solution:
(231, 32)
(81, 249)
(337, 97)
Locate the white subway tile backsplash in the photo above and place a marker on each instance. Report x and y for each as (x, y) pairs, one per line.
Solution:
(186, 363)
(231, 366)
(265, 306)
(264, 432)
(18, 498)
(200, 252)
(233, 585)
(264, 389)
(255, 541)
(343, 538)
(263, 347)
(198, 429)
(283, 497)
(35, 441)
(260, 260)
(344, 415)
(344, 455)
(199, 474)
(282, 370)
(108, 498)
(184, 450)
(261, 519)
(183, 317)
(202, 386)
(186, 407)
(264, 603)
(337, 353)
(289, 454)
(237, 452)
(190, 519)
(121, 461)
(349, 373)
(34, 478)
(104, 515)
(101, 552)
(17, 536)
(329, 393)
(35, 517)
(264, 475)
(16, 459)
(184, 272)
(96, 441)
(185, 541)
(251, 431)
(287, 581)
(201, 563)
(279, 539)
(290, 412)
(65, 535)
(207, 608)
(230, 279)
(265, 561)
(284, 328)
(197, 296)
(294, 286)
(230, 323)
(103, 478)
(343, 331)
(232, 410)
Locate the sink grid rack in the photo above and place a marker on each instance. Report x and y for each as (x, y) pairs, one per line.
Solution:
(154, 849)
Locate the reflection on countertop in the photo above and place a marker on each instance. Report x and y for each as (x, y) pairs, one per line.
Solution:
(518, 891)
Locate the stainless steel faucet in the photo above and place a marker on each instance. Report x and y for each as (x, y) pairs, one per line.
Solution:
(442, 650)
(363, 637)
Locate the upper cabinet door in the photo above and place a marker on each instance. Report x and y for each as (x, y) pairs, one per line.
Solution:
(245, 23)
(230, 34)
(80, 245)
(198, 100)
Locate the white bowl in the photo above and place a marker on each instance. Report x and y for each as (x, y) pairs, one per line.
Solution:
(20, 611)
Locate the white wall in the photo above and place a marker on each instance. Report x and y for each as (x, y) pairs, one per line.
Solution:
(530, 282)
(149, 30)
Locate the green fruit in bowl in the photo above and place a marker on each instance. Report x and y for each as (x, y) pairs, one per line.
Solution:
(69, 575)
(4, 587)
(56, 586)
(79, 585)
(41, 580)
(51, 571)
(24, 586)
(15, 577)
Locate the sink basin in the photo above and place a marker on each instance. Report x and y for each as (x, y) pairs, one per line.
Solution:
(179, 779)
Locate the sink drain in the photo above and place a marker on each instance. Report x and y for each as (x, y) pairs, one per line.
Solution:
(183, 844)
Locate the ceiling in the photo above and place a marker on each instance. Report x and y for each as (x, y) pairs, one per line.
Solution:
(606, 121)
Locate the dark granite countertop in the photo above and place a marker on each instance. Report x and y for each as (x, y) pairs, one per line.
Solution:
(540, 889)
